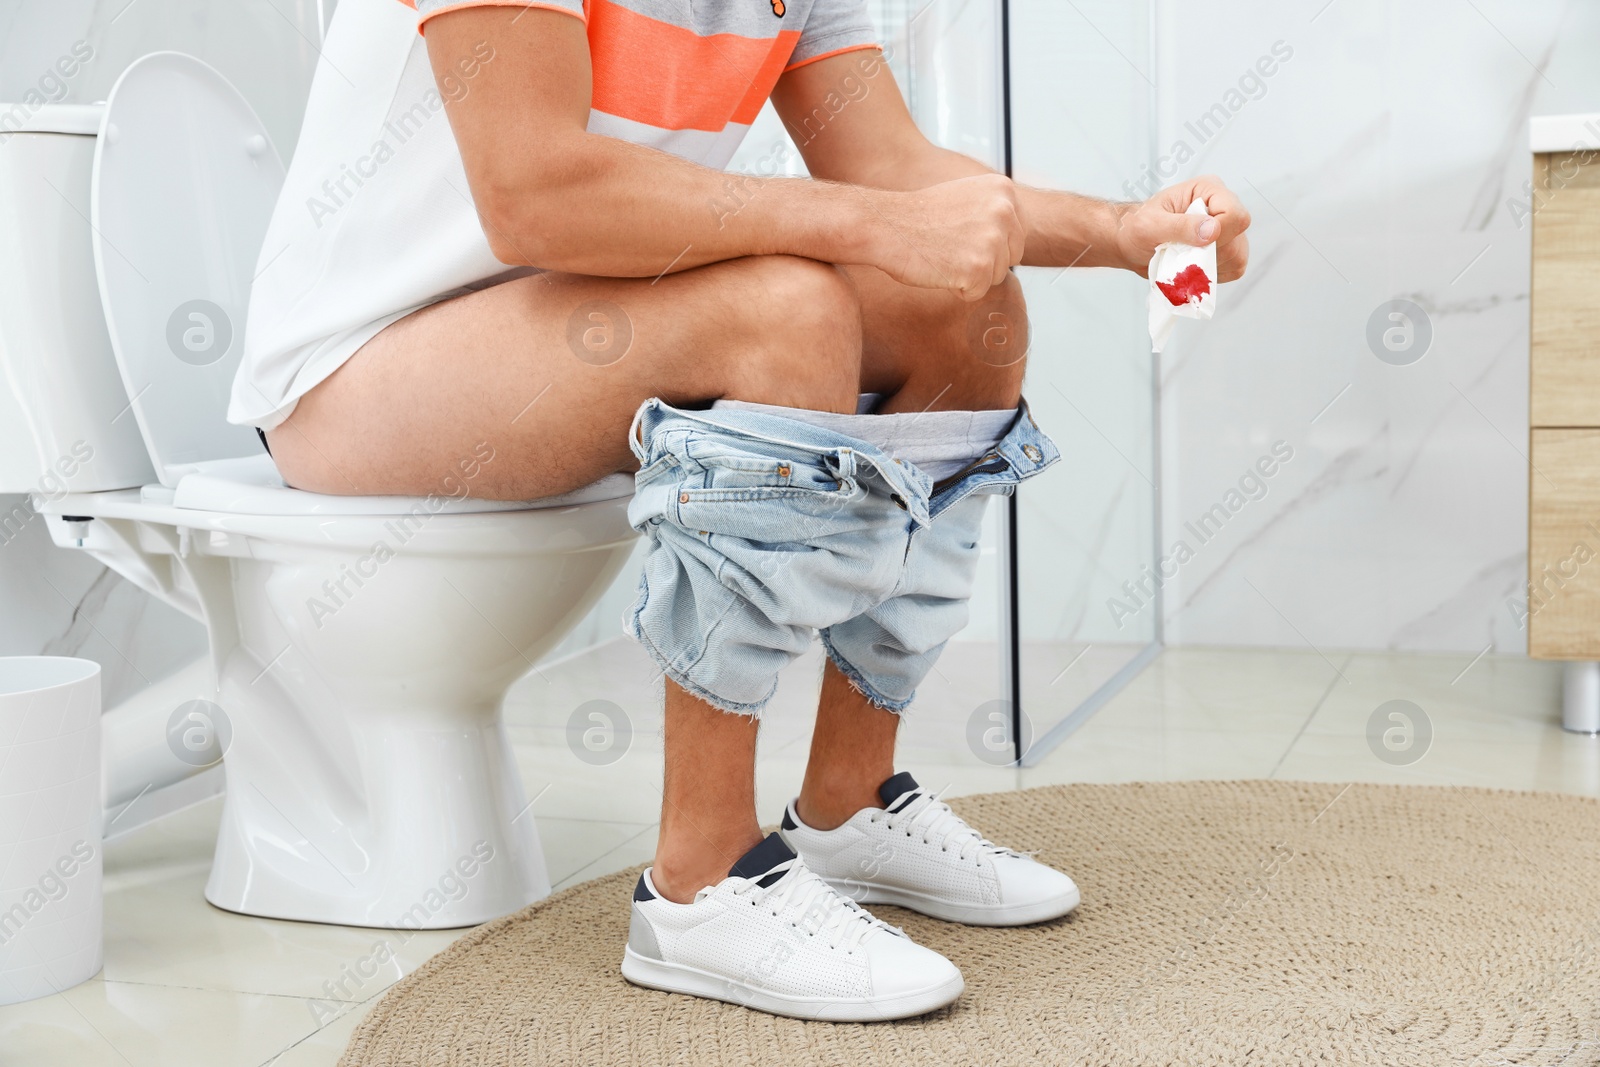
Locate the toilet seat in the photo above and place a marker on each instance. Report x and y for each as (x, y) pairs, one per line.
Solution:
(285, 522)
(253, 486)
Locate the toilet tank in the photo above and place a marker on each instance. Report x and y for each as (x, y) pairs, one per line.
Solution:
(65, 420)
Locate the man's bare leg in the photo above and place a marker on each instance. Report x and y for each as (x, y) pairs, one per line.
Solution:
(708, 795)
(852, 753)
(548, 370)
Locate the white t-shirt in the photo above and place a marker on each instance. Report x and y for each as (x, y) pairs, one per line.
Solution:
(376, 220)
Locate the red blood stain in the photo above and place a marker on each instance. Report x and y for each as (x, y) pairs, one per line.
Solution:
(1190, 283)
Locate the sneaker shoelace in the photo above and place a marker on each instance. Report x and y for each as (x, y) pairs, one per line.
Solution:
(931, 819)
(819, 909)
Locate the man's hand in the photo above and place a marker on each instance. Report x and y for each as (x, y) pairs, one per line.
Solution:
(961, 235)
(1161, 218)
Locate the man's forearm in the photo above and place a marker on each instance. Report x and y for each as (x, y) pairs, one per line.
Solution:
(1068, 230)
(619, 210)
(594, 205)
(1064, 229)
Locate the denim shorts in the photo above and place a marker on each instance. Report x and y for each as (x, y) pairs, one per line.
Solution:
(763, 531)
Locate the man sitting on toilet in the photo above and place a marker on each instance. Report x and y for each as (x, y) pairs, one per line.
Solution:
(818, 383)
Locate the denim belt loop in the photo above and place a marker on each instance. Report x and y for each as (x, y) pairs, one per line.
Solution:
(639, 435)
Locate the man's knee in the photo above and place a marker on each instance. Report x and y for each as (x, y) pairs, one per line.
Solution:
(981, 348)
(804, 322)
(996, 328)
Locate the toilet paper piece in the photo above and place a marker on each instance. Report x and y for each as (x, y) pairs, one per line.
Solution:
(1183, 284)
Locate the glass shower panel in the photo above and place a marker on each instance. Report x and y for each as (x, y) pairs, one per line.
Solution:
(1081, 102)
(945, 54)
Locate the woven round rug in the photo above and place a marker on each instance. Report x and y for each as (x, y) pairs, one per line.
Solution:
(1222, 923)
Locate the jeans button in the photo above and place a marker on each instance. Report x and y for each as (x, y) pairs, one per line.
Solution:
(683, 498)
(1032, 452)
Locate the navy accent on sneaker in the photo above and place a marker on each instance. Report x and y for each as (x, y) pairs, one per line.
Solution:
(772, 851)
(788, 820)
(895, 788)
(642, 891)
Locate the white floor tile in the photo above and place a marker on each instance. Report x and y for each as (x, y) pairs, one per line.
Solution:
(118, 1024)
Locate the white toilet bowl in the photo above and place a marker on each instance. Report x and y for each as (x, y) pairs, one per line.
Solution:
(361, 645)
(361, 653)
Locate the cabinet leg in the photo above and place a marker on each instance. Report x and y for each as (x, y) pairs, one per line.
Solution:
(1580, 698)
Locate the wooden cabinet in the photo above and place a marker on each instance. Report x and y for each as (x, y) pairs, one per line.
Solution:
(1564, 545)
(1564, 410)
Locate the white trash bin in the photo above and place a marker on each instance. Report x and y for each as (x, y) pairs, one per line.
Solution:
(50, 814)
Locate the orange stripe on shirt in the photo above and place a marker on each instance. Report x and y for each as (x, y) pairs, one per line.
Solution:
(665, 76)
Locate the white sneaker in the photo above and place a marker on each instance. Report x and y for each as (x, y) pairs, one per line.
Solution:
(775, 937)
(917, 853)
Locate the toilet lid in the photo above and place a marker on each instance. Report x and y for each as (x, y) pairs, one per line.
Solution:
(185, 179)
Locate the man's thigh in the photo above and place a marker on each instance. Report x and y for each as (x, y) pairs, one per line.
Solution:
(549, 370)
